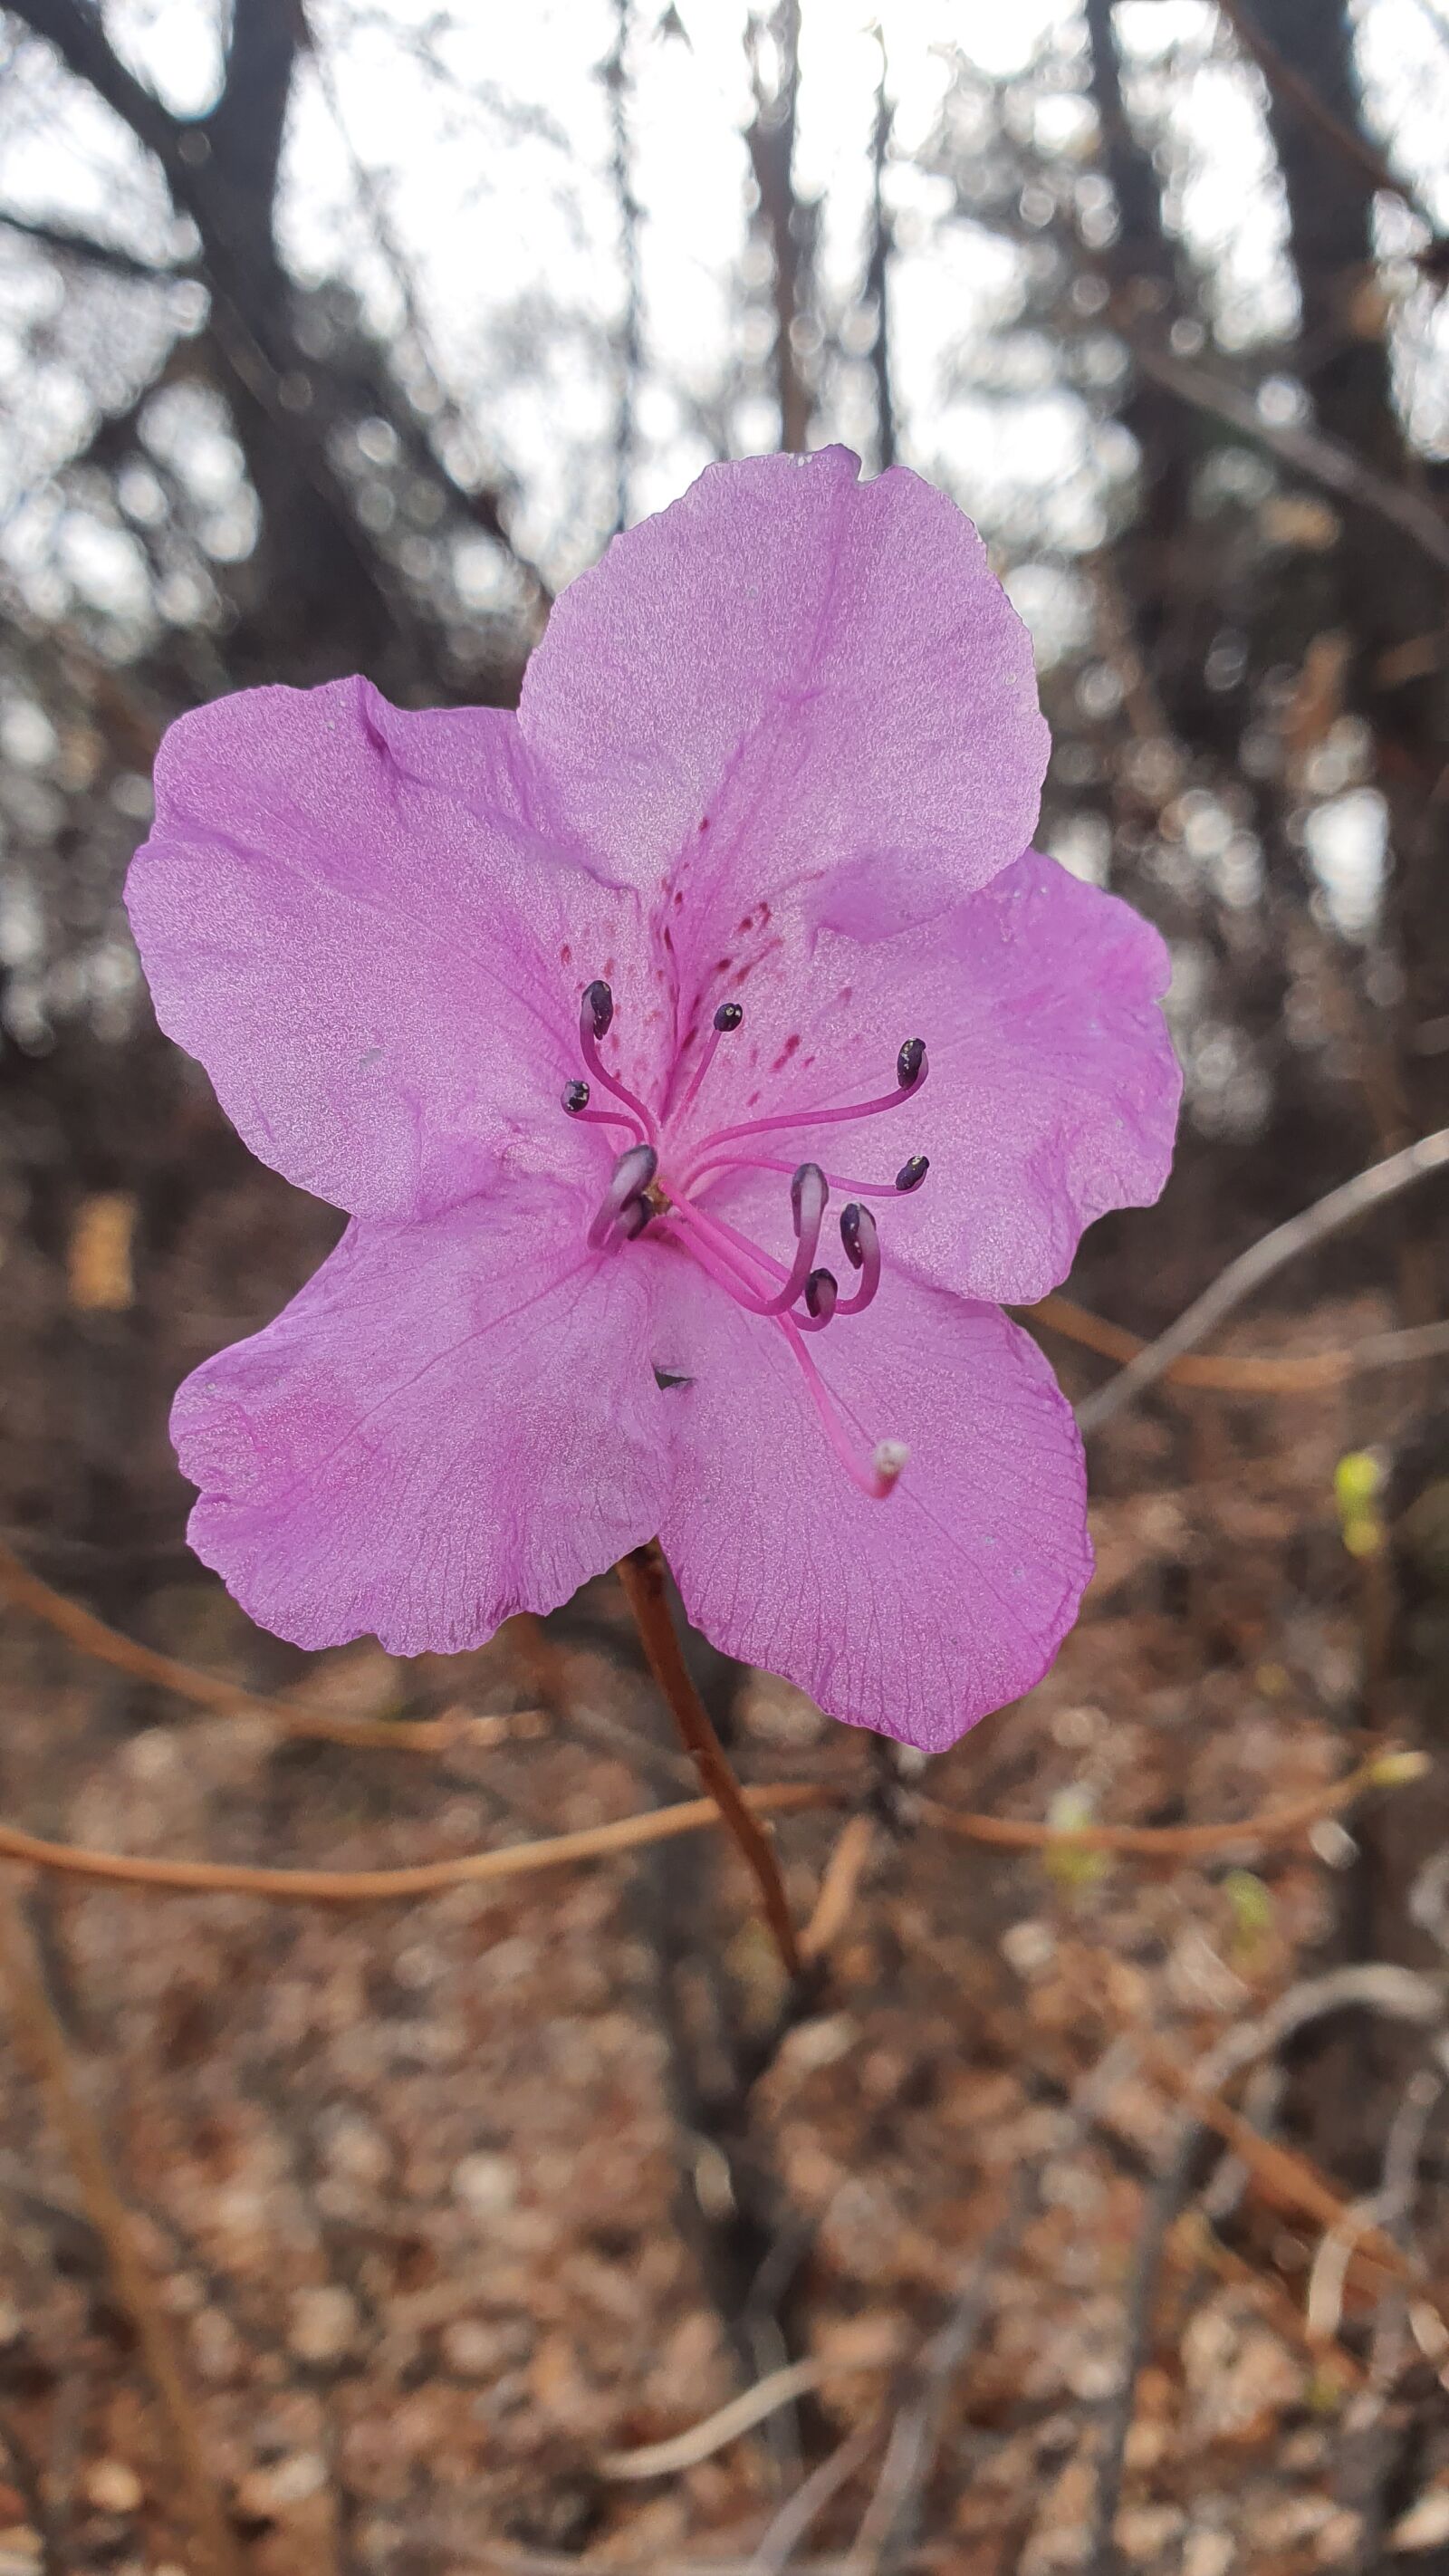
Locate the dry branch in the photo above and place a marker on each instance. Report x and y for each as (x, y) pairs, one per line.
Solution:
(694, 1815)
(1306, 1373)
(726, 2424)
(384, 1886)
(42, 2042)
(208, 1690)
(1180, 1842)
(1302, 1233)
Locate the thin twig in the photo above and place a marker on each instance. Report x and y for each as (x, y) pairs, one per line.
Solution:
(692, 1815)
(1164, 2203)
(839, 1887)
(209, 1690)
(93, 253)
(642, 1574)
(1292, 2183)
(43, 2042)
(1311, 452)
(1305, 1373)
(1180, 1842)
(889, 2524)
(788, 2528)
(726, 2424)
(915, 2435)
(419, 1878)
(1242, 1277)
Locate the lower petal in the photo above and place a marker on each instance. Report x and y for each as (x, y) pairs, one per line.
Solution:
(453, 1421)
(914, 1615)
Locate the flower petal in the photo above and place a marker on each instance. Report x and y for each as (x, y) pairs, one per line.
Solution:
(914, 1615)
(790, 680)
(1052, 1093)
(453, 1421)
(349, 914)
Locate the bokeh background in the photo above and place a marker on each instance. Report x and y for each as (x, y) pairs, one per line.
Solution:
(340, 336)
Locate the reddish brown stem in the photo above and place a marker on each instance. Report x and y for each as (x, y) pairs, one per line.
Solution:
(644, 1577)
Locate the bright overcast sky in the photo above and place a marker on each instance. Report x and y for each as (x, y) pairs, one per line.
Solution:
(491, 163)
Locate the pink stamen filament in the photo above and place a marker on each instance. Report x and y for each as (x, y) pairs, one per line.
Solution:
(589, 1047)
(608, 1118)
(730, 1258)
(696, 1221)
(728, 1269)
(722, 1226)
(758, 1163)
(723, 1026)
(716, 1261)
(806, 1119)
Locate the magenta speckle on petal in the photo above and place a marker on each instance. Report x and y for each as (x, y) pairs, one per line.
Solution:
(721, 1254)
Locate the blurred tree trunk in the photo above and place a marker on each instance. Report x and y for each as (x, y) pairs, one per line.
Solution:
(1379, 590)
(312, 596)
(1144, 276)
(774, 46)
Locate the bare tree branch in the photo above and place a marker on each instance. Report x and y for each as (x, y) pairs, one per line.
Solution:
(84, 247)
(1252, 1269)
(1311, 452)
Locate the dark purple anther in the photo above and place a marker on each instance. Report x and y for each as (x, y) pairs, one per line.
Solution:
(821, 1291)
(911, 1174)
(596, 1013)
(862, 1250)
(575, 1097)
(596, 1009)
(633, 1173)
(809, 1191)
(911, 1063)
(727, 1017)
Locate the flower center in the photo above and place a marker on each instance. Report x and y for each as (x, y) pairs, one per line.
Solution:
(656, 1182)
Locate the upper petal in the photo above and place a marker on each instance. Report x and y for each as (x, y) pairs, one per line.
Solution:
(790, 682)
(453, 1421)
(364, 923)
(1053, 1088)
(914, 1615)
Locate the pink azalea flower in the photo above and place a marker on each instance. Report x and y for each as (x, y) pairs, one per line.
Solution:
(700, 1060)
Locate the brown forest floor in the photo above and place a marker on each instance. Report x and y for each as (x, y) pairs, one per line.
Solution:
(449, 2202)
